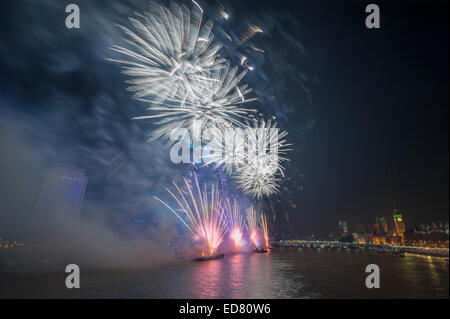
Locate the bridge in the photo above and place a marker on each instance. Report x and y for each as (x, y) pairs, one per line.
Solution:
(439, 252)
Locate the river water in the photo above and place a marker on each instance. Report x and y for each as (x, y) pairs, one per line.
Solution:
(281, 273)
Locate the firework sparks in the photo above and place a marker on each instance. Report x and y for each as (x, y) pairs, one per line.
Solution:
(252, 225)
(259, 173)
(216, 100)
(235, 221)
(228, 37)
(252, 30)
(170, 49)
(264, 228)
(200, 213)
(198, 5)
(222, 148)
(224, 15)
(176, 70)
(258, 49)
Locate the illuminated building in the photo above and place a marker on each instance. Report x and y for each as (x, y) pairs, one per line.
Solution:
(380, 240)
(343, 228)
(357, 238)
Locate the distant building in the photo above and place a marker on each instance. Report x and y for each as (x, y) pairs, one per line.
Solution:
(331, 237)
(357, 238)
(435, 227)
(382, 226)
(343, 228)
(63, 191)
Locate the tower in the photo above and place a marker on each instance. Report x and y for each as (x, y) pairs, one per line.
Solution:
(399, 223)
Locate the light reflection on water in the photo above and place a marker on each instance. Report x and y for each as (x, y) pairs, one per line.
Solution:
(243, 276)
(281, 273)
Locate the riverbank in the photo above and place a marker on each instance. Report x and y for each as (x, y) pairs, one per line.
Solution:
(427, 251)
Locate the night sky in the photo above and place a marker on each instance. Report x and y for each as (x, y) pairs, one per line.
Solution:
(366, 110)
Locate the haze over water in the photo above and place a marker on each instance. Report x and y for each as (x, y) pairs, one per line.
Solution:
(282, 273)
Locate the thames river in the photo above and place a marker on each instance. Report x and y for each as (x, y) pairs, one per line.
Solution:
(281, 273)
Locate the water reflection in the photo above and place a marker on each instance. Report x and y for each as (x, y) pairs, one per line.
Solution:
(245, 276)
(312, 273)
(206, 277)
(281, 273)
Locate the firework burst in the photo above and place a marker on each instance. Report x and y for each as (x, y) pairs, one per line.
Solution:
(200, 213)
(169, 48)
(235, 221)
(259, 166)
(214, 101)
(175, 68)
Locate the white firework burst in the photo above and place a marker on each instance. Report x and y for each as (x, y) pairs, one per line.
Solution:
(260, 167)
(175, 68)
(235, 146)
(257, 180)
(168, 48)
(214, 101)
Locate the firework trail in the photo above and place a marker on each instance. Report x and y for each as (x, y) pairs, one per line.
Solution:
(200, 213)
(264, 228)
(235, 221)
(223, 14)
(257, 49)
(260, 164)
(252, 225)
(255, 154)
(250, 33)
